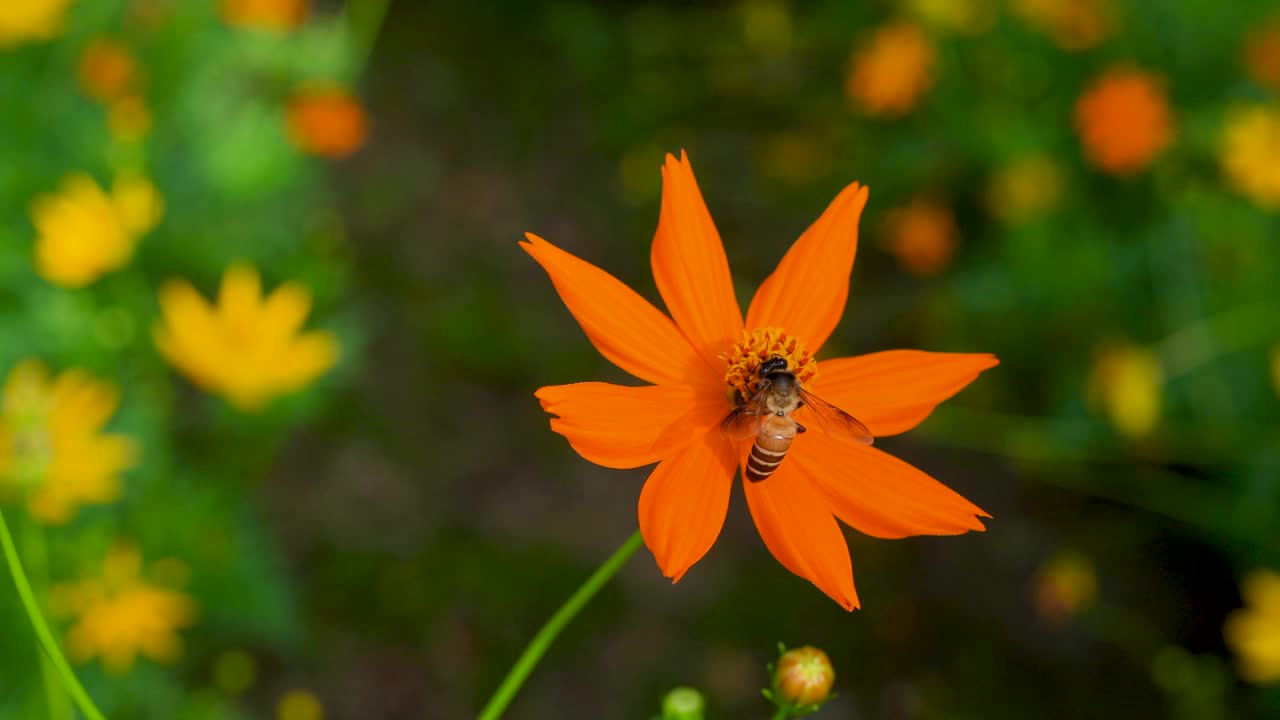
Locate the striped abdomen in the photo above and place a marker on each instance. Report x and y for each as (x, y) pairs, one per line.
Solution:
(772, 443)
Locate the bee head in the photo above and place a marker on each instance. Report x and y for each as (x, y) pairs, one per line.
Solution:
(772, 365)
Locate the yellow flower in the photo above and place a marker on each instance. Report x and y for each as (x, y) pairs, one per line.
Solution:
(84, 233)
(299, 705)
(888, 75)
(1126, 383)
(1071, 24)
(272, 15)
(30, 20)
(246, 348)
(1253, 632)
(121, 614)
(1275, 368)
(922, 235)
(1250, 153)
(965, 16)
(1064, 585)
(1025, 188)
(51, 443)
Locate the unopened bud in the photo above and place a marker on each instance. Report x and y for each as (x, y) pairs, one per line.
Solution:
(803, 677)
(683, 703)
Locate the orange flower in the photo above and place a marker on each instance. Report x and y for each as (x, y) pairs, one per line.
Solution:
(1262, 55)
(1072, 24)
(922, 236)
(1123, 120)
(704, 354)
(274, 15)
(327, 121)
(888, 75)
(107, 70)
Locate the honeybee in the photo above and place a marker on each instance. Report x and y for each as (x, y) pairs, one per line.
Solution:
(767, 416)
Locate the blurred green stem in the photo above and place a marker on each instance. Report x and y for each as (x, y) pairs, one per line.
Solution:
(364, 20)
(538, 646)
(783, 713)
(47, 641)
(56, 700)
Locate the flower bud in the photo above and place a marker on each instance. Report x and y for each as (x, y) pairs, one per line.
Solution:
(803, 676)
(683, 703)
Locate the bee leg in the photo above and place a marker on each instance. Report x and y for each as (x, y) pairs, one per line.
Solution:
(799, 403)
(800, 428)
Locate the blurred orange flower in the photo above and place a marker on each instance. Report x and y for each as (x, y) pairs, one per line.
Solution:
(24, 21)
(1123, 120)
(1071, 24)
(1064, 585)
(1125, 384)
(121, 614)
(247, 348)
(1024, 188)
(705, 354)
(84, 233)
(328, 121)
(274, 15)
(888, 75)
(1250, 153)
(52, 448)
(922, 235)
(1262, 54)
(107, 70)
(1253, 632)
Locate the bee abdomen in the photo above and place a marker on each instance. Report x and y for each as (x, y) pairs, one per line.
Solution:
(762, 461)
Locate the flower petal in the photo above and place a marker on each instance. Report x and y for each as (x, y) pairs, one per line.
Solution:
(797, 526)
(684, 503)
(690, 267)
(893, 391)
(806, 294)
(626, 427)
(879, 494)
(624, 327)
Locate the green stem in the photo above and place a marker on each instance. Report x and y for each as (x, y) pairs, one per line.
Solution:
(56, 700)
(47, 643)
(538, 646)
(783, 713)
(364, 21)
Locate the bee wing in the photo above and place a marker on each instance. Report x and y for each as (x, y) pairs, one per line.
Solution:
(833, 421)
(744, 421)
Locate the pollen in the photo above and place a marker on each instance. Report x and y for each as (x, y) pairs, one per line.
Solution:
(760, 345)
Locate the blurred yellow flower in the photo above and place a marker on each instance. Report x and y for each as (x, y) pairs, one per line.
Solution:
(1125, 385)
(1123, 120)
(52, 448)
(1250, 153)
(766, 26)
(326, 120)
(1025, 188)
(128, 118)
(1262, 54)
(84, 233)
(246, 348)
(965, 16)
(275, 15)
(30, 20)
(107, 70)
(1253, 632)
(1064, 585)
(1275, 368)
(299, 705)
(1071, 24)
(888, 75)
(922, 235)
(122, 614)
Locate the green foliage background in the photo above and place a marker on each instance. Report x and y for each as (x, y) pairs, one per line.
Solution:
(391, 537)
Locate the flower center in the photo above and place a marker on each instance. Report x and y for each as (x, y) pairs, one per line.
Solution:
(758, 346)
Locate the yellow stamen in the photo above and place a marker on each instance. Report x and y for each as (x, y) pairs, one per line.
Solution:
(760, 345)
